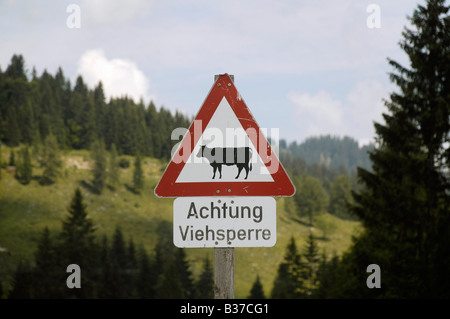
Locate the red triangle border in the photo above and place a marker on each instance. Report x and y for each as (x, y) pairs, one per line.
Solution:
(167, 186)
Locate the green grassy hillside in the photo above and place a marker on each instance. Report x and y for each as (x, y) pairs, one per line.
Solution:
(26, 210)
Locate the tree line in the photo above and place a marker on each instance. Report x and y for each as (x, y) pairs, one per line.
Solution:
(114, 268)
(110, 267)
(331, 151)
(33, 108)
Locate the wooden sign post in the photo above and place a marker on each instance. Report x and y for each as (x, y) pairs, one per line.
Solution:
(224, 263)
(224, 273)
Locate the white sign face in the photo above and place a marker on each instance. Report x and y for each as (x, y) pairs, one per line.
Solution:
(224, 222)
(224, 131)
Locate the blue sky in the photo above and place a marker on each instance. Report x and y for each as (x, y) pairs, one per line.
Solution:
(305, 67)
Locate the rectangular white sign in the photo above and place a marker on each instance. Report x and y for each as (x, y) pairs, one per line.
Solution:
(224, 222)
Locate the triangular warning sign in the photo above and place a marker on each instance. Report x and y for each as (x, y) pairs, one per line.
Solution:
(224, 153)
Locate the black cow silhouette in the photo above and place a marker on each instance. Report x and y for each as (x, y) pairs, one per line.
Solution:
(218, 156)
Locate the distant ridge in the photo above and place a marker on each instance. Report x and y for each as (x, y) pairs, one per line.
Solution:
(331, 151)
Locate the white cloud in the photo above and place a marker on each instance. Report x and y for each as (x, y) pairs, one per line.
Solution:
(365, 105)
(119, 76)
(317, 111)
(322, 114)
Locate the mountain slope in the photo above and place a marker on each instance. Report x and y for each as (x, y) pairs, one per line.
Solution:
(26, 210)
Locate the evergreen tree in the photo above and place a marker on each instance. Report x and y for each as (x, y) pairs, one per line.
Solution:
(205, 284)
(78, 245)
(152, 121)
(114, 170)
(185, 273)
(311, 263)
(131, 270)
(16, 69)
(12, 158)
(22, 282)
(106, 287)
(170, 285)
(257, 291)
(49, 272)
(289, 283)
(169, 282)
(24, 170)
(326, 275)
(118, 249)
(118, 259)
(98, 154)
(147, 277)
(100, 110)
(82, 119)
(131, 255)
(404, 206)
(138, 174)
(50, 109)
(51, 160)
(13, 135)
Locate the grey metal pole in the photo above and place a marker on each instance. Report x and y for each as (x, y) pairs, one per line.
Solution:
(224, 265)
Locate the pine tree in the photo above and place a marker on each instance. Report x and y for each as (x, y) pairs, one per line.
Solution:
(22, 282)
(184, 272)
(51, 160)
(131, 270)
(118, 249)
(82, 117)
(119, 263)
(47, 273)
(170, 285)
(311, 263)
(16, 69)
(24, 169)
(106, 280)
(114, 170)
(257, 291)
(13, 135)
(205, 284)
(100, 110)
(147, 277)
(78, 245)
(289, 283)
(98, 154)
(326, 275)
(138, 174)
(12, 158)
(404, 206)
